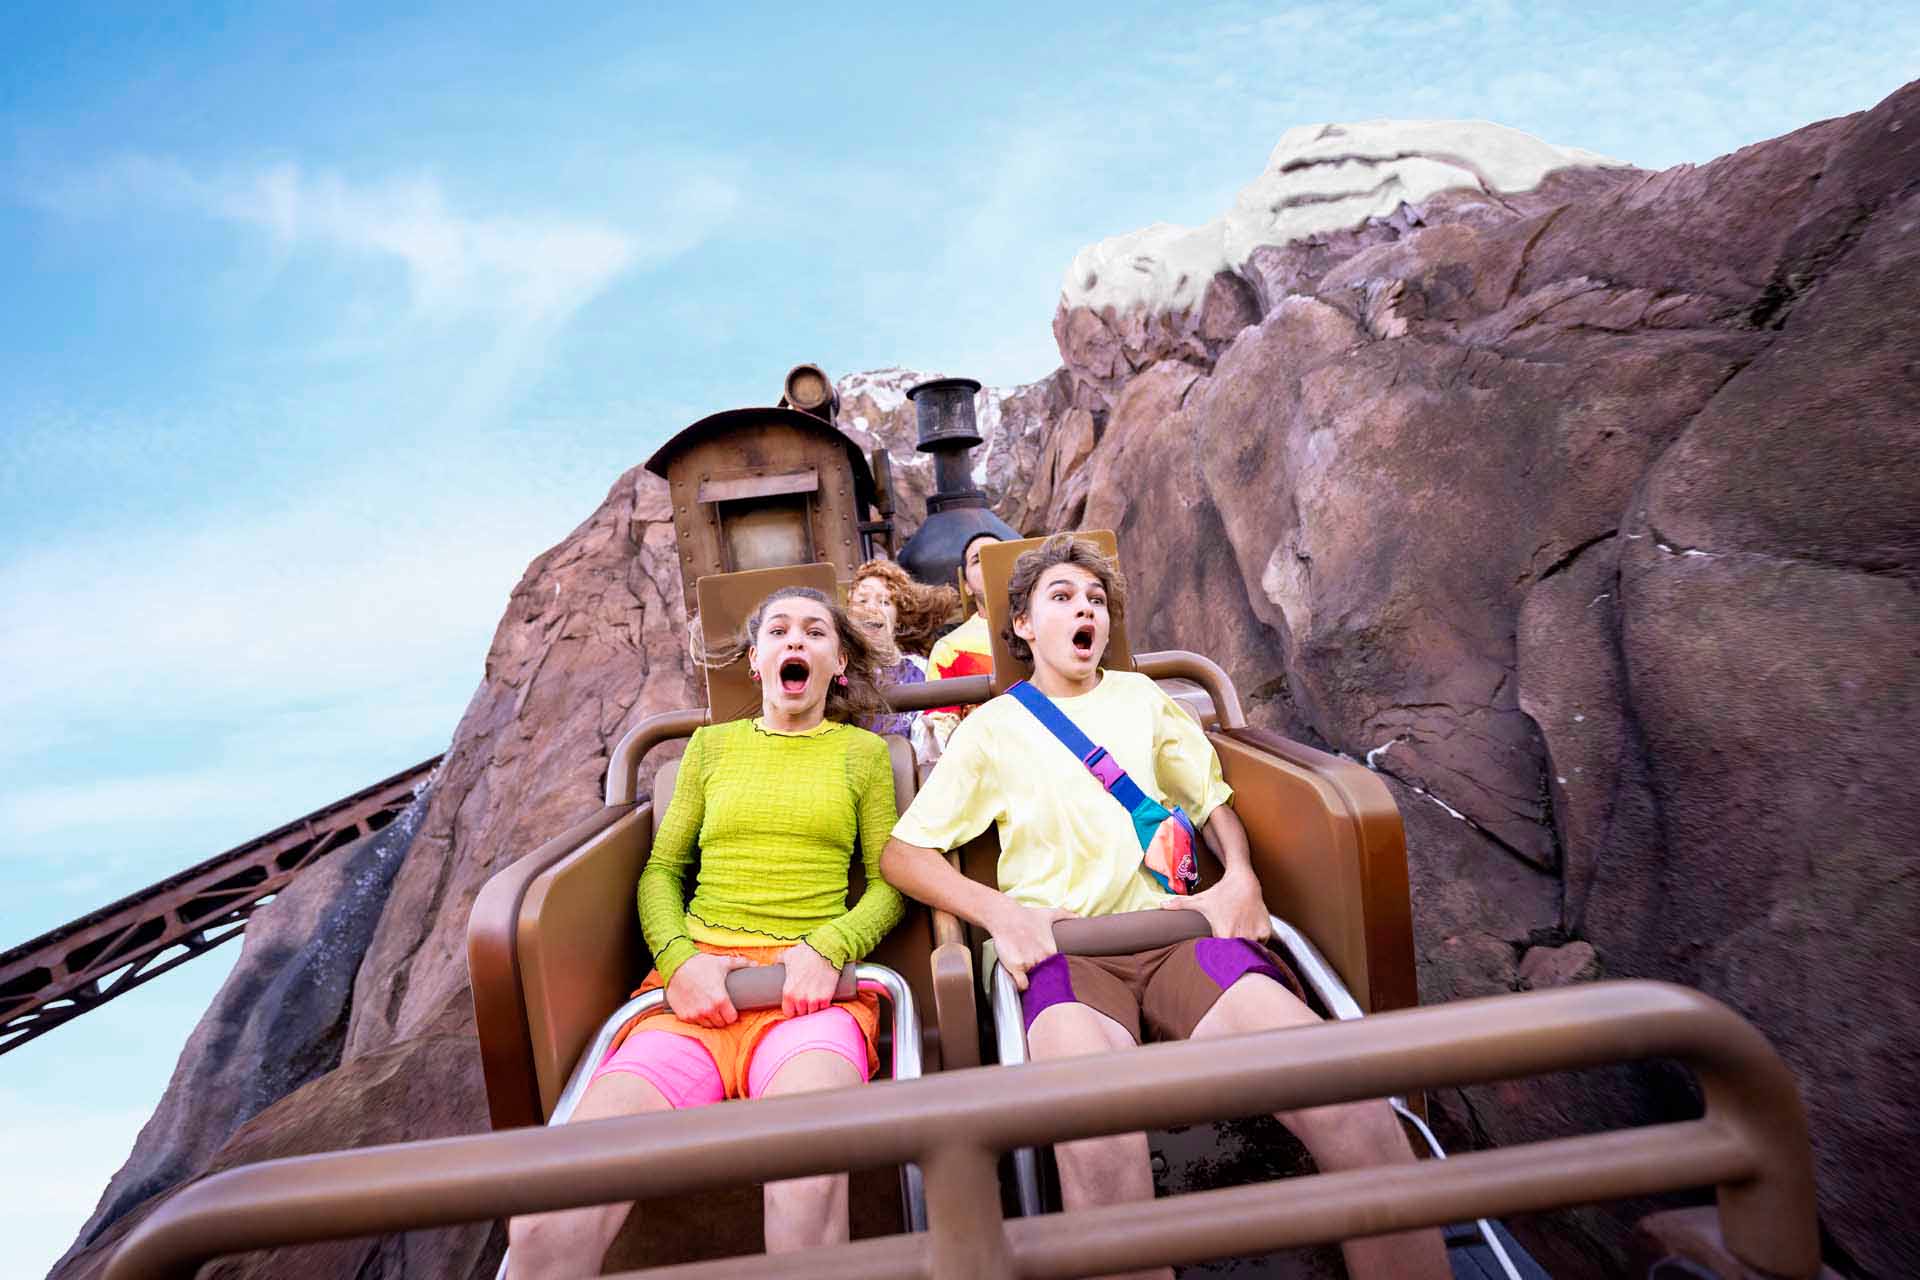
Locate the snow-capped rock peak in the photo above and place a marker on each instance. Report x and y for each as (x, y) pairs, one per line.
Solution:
(1320, 178)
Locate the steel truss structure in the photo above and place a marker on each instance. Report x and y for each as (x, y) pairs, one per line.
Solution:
(54, 978)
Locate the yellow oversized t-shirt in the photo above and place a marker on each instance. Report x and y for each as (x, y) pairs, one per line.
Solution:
(1064, 842)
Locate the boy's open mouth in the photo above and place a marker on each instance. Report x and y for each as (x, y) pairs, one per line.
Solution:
(1083, 639)
(793, 675)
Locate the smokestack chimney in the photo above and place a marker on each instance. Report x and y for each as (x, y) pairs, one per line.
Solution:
(956, 510)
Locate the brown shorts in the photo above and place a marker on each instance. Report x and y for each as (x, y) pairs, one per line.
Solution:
(1169, 988)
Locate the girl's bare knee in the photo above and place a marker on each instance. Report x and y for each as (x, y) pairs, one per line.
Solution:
(804, 1213)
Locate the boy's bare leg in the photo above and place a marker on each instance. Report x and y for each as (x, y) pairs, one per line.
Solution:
(572, 1242)
(1094, 1171)
(804, 1213)
(1355, 1135)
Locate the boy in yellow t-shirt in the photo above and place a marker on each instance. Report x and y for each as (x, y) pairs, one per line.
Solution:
(1067, 848)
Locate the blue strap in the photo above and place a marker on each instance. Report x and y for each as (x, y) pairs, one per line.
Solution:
(1101, 765)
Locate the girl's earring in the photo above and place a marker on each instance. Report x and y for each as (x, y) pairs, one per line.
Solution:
(754, 676)
(841, 679)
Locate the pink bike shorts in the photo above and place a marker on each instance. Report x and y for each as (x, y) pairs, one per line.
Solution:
(684, 1072)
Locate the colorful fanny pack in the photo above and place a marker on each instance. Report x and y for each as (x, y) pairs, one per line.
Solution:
(1166, 835)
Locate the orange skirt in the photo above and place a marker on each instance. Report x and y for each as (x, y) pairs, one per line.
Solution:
(732, 1046)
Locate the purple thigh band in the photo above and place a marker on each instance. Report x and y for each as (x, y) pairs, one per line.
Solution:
(1048, 984)
(1227, 960)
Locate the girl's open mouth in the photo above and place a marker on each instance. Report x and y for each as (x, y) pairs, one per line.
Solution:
(793, 675)
(1083, 640)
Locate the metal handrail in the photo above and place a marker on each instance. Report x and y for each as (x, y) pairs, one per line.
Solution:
(1010, 1038)
(1314, 969)
(1338, 1001)
(1009, 1029)
(869, 977)
(623, 766)
(1172, 664)
(1751, 1145)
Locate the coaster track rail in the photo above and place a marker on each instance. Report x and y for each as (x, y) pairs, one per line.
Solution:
(50, 980)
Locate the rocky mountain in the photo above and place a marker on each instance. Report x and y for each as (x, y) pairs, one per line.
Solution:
(1587, 515)
(1577, 500)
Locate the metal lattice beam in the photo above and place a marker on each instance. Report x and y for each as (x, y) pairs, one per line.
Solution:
(56, 977)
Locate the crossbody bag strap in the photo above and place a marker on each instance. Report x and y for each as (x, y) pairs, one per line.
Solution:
(1101, 765)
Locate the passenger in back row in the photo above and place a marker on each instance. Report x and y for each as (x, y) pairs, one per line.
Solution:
(898, 616)
(1067, 849)
(774, 805)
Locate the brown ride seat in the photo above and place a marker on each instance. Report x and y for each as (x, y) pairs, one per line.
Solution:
(554, 949)
(1324, 834)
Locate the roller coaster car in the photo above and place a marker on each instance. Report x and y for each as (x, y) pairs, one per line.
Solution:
(554, 944)
(555, 947)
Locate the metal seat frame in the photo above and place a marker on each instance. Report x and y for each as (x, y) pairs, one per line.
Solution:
(868, 977)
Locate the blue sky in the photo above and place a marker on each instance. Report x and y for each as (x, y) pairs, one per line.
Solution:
(321, 322)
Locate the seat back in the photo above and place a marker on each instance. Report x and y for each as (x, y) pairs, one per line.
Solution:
(581, 952)
(1328, 846)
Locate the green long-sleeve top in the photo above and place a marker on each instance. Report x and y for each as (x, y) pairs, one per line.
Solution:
(775, 817)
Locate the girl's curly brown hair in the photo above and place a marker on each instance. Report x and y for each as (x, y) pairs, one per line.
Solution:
(923, 609)
(1061, 548)
(850, 703)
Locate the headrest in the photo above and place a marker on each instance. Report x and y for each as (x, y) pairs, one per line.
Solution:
(996, 566)
(725, 601)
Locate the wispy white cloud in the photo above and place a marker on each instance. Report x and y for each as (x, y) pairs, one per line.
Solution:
(257, 773)
(537, 266)
(315, 597)
(508, 281)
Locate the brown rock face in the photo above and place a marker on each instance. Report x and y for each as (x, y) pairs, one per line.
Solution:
(594, 641)
(1104, 349)
(1559, 966)
(1591, 515)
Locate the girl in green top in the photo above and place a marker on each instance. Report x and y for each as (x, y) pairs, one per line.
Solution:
(775, 806)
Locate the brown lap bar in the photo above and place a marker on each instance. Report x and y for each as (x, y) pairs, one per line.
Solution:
(1129, 932)
(758, 986)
